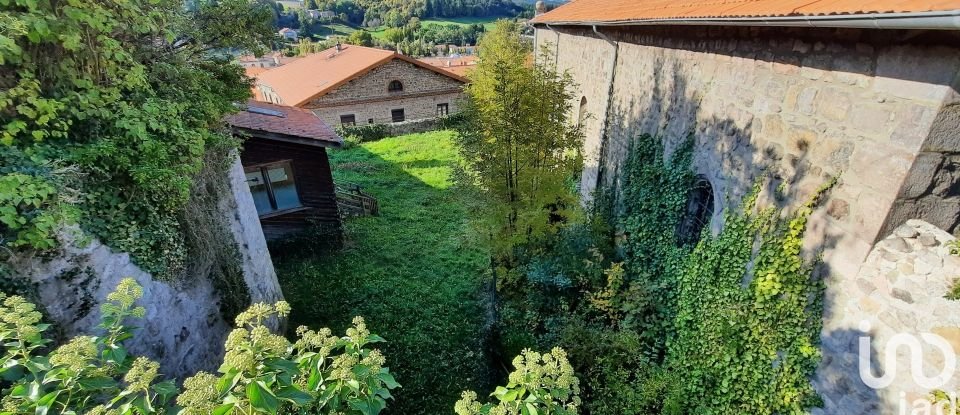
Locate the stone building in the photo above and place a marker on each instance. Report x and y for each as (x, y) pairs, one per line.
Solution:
(867, 91)
(354, 85)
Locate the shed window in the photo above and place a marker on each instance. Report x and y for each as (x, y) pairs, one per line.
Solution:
(395, 86)
(349, 119)
(272, 187)
(397, 115)
(698, 213)
(443, 109)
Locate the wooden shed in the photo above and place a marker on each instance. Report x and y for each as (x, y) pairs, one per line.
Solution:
(285, 161)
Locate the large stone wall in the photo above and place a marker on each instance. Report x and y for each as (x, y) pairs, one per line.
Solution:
(367, 97)
(183, 328)
(876, 108)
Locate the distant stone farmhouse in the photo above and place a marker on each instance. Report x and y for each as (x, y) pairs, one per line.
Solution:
(358, 85)
(808, 89)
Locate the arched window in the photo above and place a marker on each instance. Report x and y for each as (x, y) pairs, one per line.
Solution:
(583, 111)
(395, 86)
(698, 213)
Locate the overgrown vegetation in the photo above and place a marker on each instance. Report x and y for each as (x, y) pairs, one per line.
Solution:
(106, 112)
(416, 269)
(262, 373)
(728, 326)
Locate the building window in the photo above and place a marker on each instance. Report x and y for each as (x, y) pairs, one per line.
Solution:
(348, 119)
(369, 120)
(698, 213)
(443, 109)
(397, 115)
(272, 187)
(395, 86)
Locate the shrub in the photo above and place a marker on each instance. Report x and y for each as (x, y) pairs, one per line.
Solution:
(262, 373)
(363, 133)
(540, 384)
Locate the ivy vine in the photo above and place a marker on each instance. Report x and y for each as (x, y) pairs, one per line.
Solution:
(736, 319)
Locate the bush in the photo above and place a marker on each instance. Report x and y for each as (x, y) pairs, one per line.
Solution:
(262, 373)
(540, 384)
(363, 133)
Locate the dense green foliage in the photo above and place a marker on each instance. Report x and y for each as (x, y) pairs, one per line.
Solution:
(416, 269)
(262, 373)
(728, 326)
(110, 108)
(519, 151)
(363, 132)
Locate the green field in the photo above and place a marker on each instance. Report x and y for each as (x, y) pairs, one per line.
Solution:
(487, 22)
(414, 272)
(332, 29)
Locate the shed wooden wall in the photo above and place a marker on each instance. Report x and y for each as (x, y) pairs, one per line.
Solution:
(311, 172)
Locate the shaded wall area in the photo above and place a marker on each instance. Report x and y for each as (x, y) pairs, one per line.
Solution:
(874, 108)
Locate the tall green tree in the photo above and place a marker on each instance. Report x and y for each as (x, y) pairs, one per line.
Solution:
(360, 37)
(519, 149)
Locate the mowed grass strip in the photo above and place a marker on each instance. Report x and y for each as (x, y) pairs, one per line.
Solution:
(414, 272)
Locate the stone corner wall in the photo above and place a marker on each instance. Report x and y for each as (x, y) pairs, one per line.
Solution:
(183, 329)
(258, 271)
(899, 291)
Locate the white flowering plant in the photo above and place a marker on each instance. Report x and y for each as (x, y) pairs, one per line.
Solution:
(88, 374)
(262, 373)
(541, 384)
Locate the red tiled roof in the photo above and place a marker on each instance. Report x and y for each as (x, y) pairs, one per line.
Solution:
(253, 71)
(458, 65)
(611, 11)
(313, 76)
(284, 121)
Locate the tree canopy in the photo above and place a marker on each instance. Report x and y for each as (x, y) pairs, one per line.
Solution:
(106, 112)
(520, 151)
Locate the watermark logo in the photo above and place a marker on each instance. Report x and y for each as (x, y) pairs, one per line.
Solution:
(946, 404)
(916, 359)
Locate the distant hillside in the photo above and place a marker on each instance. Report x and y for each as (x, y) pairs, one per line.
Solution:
(396, 13)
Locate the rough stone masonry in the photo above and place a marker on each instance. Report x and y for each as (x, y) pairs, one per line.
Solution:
(877, 108)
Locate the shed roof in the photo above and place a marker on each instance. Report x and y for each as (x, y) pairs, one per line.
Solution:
(312, 76)
(651, 11)
(271, 121)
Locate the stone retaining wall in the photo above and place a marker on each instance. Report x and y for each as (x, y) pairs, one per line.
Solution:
(899, 291)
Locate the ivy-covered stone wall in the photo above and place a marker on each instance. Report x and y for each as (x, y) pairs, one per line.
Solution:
(875, 108)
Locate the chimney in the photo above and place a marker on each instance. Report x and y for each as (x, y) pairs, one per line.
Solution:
(541, 7)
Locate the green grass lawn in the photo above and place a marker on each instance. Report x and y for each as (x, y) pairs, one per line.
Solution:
(487, 22)
(332, 29)
(414, 272)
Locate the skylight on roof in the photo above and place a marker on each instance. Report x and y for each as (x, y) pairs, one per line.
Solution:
(265, 111)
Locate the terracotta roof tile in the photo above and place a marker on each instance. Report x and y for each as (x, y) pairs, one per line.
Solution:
(457, 65)
(314, 75)
(601, 11)
(283, 120)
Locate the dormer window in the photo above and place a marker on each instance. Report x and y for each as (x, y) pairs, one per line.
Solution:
(395, 86)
